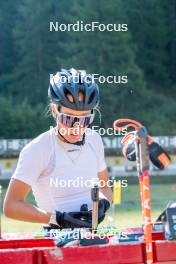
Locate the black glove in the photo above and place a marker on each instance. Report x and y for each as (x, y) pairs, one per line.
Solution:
(103, 206)
(74, 219)
(158, 156)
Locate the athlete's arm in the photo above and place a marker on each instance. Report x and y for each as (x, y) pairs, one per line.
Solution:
(17, 208)
(105, 190)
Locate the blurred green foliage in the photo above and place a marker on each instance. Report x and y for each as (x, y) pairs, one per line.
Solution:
(146, 53)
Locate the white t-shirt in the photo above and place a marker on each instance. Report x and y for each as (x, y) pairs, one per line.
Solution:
(61, 174)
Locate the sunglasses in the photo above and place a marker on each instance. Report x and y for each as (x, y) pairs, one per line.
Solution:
(72, 120)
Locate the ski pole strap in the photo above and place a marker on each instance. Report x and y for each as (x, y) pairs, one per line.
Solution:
(125, 123)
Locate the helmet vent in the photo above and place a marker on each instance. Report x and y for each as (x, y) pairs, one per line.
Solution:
(68, 95)
(91, 97)
(81, 96)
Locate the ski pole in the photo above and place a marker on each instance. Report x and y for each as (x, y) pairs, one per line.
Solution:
(142, 162)
(95, 199)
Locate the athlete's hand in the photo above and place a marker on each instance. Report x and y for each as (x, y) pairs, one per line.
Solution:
(82, 218)
(74, 219)
(103, 206)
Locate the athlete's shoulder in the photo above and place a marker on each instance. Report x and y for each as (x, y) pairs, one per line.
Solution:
(40, 142)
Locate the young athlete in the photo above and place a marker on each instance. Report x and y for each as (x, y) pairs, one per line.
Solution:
(61, 164)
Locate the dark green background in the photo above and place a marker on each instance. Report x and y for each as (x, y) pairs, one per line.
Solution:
(29, 52)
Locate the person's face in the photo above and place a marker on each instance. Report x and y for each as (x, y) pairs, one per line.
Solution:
(71, 134)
